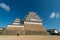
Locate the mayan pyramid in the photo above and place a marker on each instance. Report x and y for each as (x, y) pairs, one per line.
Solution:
(33, 24)
(14, 28)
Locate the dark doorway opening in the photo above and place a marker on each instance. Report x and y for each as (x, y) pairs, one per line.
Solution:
(17, 34)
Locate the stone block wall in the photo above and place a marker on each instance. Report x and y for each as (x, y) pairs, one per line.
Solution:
(34, 29)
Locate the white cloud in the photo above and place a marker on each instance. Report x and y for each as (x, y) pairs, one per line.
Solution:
(52, 15)
(4, 6)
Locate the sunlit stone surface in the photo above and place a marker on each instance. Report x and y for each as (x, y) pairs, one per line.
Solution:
(32, 25)
(15, 28)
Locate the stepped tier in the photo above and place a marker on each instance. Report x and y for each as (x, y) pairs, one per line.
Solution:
(33, 24)
(15, 28)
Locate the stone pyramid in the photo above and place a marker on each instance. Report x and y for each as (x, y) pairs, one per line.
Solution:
(33, 24)
(15, 28)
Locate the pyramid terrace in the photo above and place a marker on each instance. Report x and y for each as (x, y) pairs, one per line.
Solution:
(32, 25)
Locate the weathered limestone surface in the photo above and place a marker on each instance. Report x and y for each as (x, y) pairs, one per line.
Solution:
(34, 29)
(14, 30)
(32, 25)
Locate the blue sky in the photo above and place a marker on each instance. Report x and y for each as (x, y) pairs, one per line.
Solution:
(48, 10)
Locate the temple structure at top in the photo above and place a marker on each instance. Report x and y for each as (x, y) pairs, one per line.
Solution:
(33, 18)
(16, 23)
(15, 28)
(32, 25)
